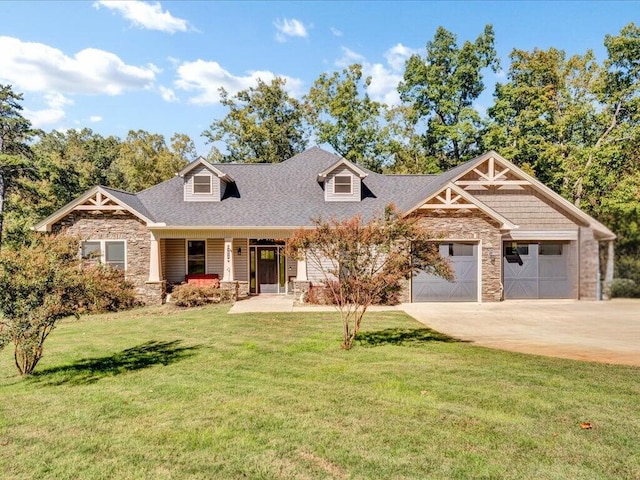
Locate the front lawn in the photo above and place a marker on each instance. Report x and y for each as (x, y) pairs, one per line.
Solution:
(157, 393)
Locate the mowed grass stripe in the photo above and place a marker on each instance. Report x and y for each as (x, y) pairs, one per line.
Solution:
(166, 393)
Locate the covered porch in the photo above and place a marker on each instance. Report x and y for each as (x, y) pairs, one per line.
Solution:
(251, 262)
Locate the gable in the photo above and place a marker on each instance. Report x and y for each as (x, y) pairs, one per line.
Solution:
(452, 198)
(493, 174)
(342, 185)
(201, 184)
(96, 201)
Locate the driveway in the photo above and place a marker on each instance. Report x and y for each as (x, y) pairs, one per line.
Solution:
(606, 331)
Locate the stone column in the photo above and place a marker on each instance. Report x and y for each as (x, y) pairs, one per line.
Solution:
(154, 260)
(227, 274)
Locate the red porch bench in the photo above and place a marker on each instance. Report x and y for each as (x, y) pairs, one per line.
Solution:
(203, 279)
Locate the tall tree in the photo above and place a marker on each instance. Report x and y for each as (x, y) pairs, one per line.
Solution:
(264, 124)
(15, 133)
(442, 86)
(343, 115)
(145, 159)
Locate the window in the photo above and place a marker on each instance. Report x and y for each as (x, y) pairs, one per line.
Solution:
(460, 250)
(342, 184)
(550, 249)
(514, 248)
(201, 184)
(196, 256)
(108, 252)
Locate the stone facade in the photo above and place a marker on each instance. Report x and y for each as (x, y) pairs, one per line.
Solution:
(589, 264)
(237, 288)
(119, 226)
(475, 226)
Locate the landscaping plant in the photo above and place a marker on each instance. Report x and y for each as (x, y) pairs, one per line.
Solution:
(44, 282)
(363, 263)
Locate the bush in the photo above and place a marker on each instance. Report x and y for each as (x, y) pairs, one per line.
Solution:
(107, 291)
(624, 288)
(193, 295)
(320, 294)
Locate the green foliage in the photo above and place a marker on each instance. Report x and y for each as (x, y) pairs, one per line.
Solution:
(145, 159)
(624, 288)
(341, 114)
(364, 263)
(15, 133)
(263, 125)
(194, 296)
(44, 282)
(441, 89)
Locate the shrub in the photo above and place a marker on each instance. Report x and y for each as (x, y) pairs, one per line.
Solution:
(106, 290)
(44, 282)
(320, 294)
(625, 288)
(193, 295)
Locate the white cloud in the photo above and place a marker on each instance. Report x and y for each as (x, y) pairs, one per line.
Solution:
(57, 100)
(48, 116)
(95, 118)
(206, 78)
(349, 57)
(168, 95)
(384, 80)
(146, 15)
(398, 55)
(336, 32)
(37, 67)
(289, 28)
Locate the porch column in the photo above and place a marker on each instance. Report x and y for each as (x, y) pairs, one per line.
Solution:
(227, 275)
(154, 260)
(302, 270)
(608, 273)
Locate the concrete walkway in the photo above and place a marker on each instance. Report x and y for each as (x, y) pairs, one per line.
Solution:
(593, 331)
(284, 303)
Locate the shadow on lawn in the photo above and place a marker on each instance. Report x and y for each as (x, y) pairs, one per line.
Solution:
(91, 370)
(403, 336)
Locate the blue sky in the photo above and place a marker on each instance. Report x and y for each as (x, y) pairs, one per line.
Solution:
(157, 66)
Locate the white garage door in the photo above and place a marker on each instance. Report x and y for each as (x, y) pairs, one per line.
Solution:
(426, 287)
(537, 270)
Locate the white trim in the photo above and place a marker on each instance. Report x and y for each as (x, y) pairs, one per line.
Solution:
(350, 176)
(46, 224)
(506, 224)
(103, 249)
(605, 233)
(208, 166)
(186, 253)
(343, 161)
(193, 184)
(534, 235)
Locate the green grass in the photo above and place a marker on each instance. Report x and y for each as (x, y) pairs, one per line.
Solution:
(158, 393)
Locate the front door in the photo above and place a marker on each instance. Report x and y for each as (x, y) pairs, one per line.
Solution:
(267, 269)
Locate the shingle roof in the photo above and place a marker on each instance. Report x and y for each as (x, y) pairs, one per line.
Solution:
(286, 194)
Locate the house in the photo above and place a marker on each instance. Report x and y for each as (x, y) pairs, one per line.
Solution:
(506, 234)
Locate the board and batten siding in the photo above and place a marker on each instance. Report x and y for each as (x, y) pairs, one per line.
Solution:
(241, 262)
(356, 182)
(215, 256)
(527, 209)
(216, 187)
(175, 265)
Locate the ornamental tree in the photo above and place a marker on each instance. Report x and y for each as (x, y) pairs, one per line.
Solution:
(362, 261)
(44, 282)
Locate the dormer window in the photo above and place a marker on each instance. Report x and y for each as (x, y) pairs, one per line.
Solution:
(202, 184)
(343, 184)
